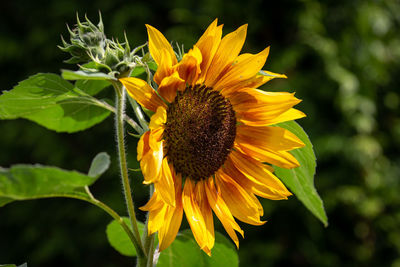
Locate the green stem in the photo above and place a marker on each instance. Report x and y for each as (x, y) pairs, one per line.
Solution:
(120, 106)
(139, 114)
(150, 254)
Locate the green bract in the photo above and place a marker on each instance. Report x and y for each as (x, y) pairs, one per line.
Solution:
(88, 43)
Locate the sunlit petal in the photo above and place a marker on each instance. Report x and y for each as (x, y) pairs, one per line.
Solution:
(157, 43)
(142, 93)
(228, 49)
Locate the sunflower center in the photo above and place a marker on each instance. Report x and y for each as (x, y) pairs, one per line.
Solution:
(199, 132)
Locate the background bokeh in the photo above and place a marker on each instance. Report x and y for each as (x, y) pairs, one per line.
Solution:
(342, 58)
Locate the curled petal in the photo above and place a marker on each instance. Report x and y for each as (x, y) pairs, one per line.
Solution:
(157, 219)
(170, 85)
(155, 203)
(143, 145)
(158, 119)
(189, 67)
(151, 163)
(142, 93)
(164, 68)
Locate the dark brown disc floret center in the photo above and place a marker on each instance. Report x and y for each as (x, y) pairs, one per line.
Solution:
(199, 132)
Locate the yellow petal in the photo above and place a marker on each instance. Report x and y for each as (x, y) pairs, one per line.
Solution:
(221, 211)
(281, 159)
(156, 219)
(143, 145)
(256, 107)
(151, 164)
(170, 85)
(239, 202)
(249, 172)
(165, 185)
(173, 219)
(257, 202)
(291, 114)
(157, 42)
(208, 45)
(158, 119)
(189, 66)
(164, 68)
(207, 214)
(142, 93)
(245, 67)
(269, 137)
(154, 203)
(195, 217)
(253, 82)
(256, 100)
(251, 184)
(227, 51)
(210, 31)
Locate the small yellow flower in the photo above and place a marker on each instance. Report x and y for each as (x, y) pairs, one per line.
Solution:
(206, 150)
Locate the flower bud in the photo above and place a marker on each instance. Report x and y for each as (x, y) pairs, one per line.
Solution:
(88, 43)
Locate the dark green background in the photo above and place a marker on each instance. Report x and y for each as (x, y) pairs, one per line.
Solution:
(342, 58)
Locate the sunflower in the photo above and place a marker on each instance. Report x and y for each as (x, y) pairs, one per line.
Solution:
(211, 140)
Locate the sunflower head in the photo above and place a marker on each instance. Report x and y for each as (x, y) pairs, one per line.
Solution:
(212, 138)
(199, 131)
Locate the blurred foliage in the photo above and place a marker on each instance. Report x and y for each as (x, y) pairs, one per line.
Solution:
(342, 58)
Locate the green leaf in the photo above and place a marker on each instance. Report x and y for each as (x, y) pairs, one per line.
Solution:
(140, 70)
(301, 180)
(23, 182)
(184, 251)
(4, 201)
(152, 65)
(52, 102)
(84, 75)
(118, 238)
(91, 87)
(99, 165)
(137, 71)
